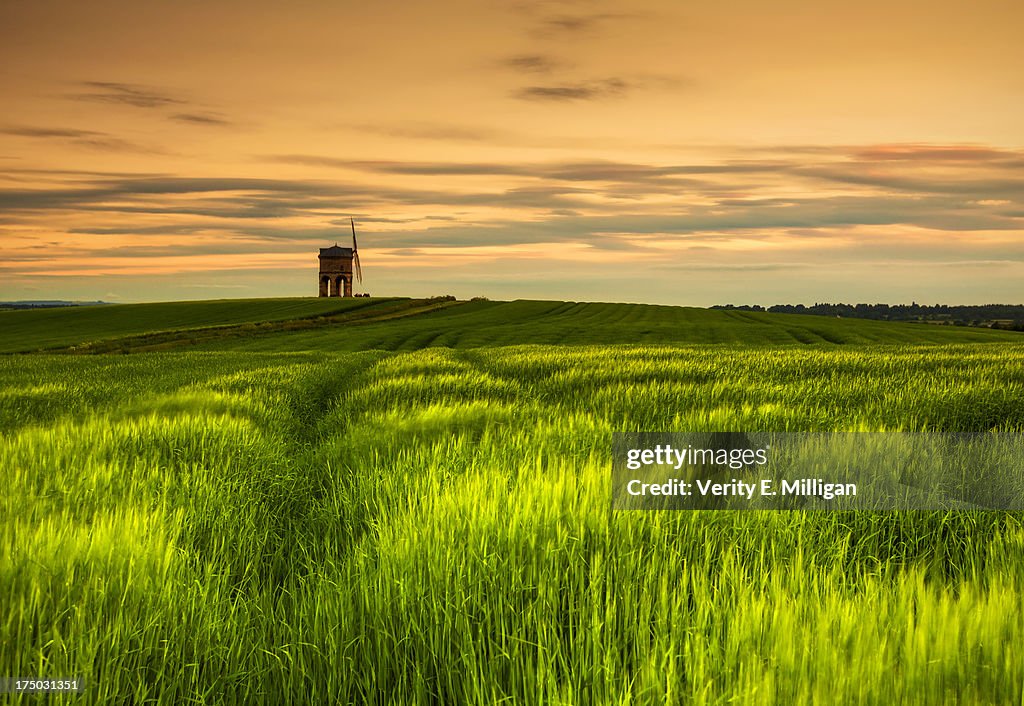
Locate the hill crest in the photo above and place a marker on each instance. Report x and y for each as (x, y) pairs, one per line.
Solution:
(303, 324)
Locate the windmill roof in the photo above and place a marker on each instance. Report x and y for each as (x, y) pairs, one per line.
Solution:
(335, 251)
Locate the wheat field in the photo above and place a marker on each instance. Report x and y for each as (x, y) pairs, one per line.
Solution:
(434, 527)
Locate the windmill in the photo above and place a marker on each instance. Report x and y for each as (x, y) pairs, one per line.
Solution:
(339, 267)
(355, 253)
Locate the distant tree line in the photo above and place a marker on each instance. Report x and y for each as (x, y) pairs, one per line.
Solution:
(46, 304)
(1002, 316)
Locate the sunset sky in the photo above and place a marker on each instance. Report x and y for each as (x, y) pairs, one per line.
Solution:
(735, 151)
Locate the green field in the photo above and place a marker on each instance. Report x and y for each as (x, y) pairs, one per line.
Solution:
(340, 519)
(409, 324)
(36, 329)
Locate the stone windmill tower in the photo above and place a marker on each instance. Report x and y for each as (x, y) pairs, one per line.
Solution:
(337, 266)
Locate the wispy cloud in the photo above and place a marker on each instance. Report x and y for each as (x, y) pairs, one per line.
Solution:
(133, 95)
(532, 63)
(565, 170)
(935, 153)
(210, 119)
(432, 131)
(373, 219)
(613, 87)
(576, 23)
(580, 90)
(603, 204)
(48, 132)
(187, 229)
(89, 139)
(472, 134)
(171, 106)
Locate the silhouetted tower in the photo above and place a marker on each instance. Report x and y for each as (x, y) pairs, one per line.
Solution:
(337, 265)
(336, 271)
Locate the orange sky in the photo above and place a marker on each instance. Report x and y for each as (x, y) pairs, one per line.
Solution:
(734, 152)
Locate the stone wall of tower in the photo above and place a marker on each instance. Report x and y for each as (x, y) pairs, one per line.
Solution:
(335, 277)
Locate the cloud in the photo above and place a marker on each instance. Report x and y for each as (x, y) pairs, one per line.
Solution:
(125, 94)
(984, 186)
(630, 173)
(554, 20)
(934, 153)
(140, 230)
(416, 130)
(116, 144)
(264, 198)
(532, 63)
(565, 24)
(129, 195)
(580, 90)
(564, 19)
(409, 168)
(613, 87)
(79, 174)
(372, 219)
(201, 119)
(432, 131)
(45, 132)
(90, 139)
(602, 203)
(150, 98)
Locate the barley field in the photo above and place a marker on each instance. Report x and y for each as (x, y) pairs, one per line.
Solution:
(434, 527)
(380, 323)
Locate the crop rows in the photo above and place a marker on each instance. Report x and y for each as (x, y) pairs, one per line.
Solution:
(434, 527)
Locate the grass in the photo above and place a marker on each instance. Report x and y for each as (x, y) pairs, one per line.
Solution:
(410, 324)
(433, 526)
(37, 329)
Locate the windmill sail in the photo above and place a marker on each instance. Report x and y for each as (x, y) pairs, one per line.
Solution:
(355, 253)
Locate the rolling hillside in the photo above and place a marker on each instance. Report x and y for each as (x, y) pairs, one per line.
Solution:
(35, 329)
(184, 524)
(410, 324)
